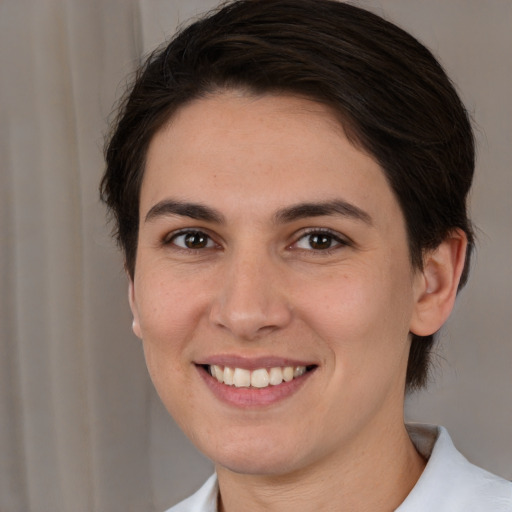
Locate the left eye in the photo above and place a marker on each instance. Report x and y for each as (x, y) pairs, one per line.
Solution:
(318, 241)
(192, 240)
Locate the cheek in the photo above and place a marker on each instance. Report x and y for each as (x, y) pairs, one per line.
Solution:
(166, 323)
(350, 304)
(363, 315)
(168, 316)
(168, 309)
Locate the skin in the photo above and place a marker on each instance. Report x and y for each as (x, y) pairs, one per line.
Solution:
(260, 287)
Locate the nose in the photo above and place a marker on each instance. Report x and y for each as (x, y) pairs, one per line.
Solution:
(251, 299)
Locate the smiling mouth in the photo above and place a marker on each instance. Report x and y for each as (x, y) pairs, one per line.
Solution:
(259, 378)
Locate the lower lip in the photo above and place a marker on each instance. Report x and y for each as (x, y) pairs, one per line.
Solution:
(253, 397)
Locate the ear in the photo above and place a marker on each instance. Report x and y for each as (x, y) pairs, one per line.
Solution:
(437, 283)
(134, 308)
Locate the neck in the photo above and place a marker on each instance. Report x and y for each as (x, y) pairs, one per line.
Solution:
(375, 474)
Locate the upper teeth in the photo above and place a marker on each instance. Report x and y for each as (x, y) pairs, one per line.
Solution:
(260, 378)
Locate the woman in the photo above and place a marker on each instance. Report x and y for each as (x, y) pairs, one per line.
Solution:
(289, 181)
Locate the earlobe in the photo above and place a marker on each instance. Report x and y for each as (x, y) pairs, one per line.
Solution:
(133, 307)
(437, 283)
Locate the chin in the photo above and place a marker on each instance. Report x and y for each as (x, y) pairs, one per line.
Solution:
(259, 454)
(257, 465)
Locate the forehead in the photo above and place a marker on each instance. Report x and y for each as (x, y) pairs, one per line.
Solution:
(264, 149)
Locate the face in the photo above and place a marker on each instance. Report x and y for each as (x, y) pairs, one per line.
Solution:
(273, 254)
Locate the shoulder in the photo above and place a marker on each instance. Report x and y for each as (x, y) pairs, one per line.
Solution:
(450, 483)
(204, 500)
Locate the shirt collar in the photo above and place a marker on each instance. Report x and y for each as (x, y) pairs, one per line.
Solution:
(449, 483)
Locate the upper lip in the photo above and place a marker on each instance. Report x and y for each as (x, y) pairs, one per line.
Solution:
(252, 363)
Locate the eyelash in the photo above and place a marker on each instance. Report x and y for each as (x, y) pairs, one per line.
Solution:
(171, 239)
(334, 237)
(310, 232)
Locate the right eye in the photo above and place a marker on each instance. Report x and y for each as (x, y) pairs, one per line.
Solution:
(192, 240)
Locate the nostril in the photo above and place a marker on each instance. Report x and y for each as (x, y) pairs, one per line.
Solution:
(249, 323)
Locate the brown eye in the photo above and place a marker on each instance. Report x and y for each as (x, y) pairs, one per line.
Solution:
(319, 241)
(192, 240)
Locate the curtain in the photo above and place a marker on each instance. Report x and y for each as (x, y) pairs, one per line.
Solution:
(81, 428)
(76, 403)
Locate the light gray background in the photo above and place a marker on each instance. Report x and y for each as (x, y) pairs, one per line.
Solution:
(81, 428)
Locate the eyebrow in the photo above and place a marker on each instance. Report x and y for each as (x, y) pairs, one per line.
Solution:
(320, 209)
(198, 211)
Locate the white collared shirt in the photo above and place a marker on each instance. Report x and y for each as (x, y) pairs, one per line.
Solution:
(449, 483)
